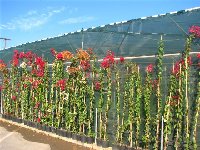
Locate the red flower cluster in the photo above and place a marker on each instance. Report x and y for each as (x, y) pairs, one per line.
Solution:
(59, 56)
(176, 67)
(109, 60)
(29, 56)
(37, 105)
(35, 84)
(38, 120)
(121, 59)
(195, 30)
(149, 68)
(85, 64)
(53, 52)
(61, 83)
(14, 98)
(198, 55)
(40, 65)
(97, 85)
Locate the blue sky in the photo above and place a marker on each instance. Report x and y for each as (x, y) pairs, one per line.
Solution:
(29, 20)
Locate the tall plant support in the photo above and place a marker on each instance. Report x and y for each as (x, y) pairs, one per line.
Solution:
(159, 67)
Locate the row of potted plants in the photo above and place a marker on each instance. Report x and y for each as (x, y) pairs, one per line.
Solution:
(62, 97)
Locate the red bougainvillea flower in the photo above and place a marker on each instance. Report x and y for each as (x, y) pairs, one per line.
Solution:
(14, 98)
(198, 55)
(53, 51)
(1, 87)
(21, 55)
(195, 30)
(38, 120)
(35, 84)
(85, 64)
(105, 64)
(15, 62)
(59, 56)
(149, 68)
(37, 105)
(121, 59)
(109, 60)
(39, 62)
(61, 83)
(97, 85)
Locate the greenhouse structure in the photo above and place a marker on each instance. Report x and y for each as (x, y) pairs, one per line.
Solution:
(127, 85)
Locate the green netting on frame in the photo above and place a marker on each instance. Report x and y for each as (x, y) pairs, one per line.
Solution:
(129, 38)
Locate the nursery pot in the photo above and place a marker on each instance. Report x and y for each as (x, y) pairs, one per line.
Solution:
(53, 130)
(48, 128)
(90, 140)
(99, 142)
(44, 127)
(60, 132)
(105, 144)
(69, 134)
(39, 126)
(74, 136)
(83, 139)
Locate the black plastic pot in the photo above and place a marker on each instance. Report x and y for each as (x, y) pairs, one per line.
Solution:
(38, 126)
(69, 134)
(60, 132)
(130, 148)
(90, 140)
(53, 130)
(18, 120)
(116, 147)
(83, 139)
(48, 128)
(99, 142)
(25, 122)
(4, 116)
(105, 144)
(44, 127)
(74, 136)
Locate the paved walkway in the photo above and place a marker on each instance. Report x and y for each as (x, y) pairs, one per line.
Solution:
(15, 141)
(14, 136)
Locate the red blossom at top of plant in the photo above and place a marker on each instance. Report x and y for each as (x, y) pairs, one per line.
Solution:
(121, 59)
(40, 62)
(149, 68)
(59, 56)
(61, 83)
(85, 64)
(198, 55)
(97, 85)
(90, 51)
(195, 30)
(109, 60)
(181, 63)
(35, 84)
(53, 51)
(15, 62)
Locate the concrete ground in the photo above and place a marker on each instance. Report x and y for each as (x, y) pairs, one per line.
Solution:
(15, 141)
(14, 136)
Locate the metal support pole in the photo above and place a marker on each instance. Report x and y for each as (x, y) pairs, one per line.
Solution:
(161, 142)
(96, 127)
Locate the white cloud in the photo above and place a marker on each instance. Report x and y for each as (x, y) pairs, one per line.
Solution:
(76, 20)
(31, 19)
